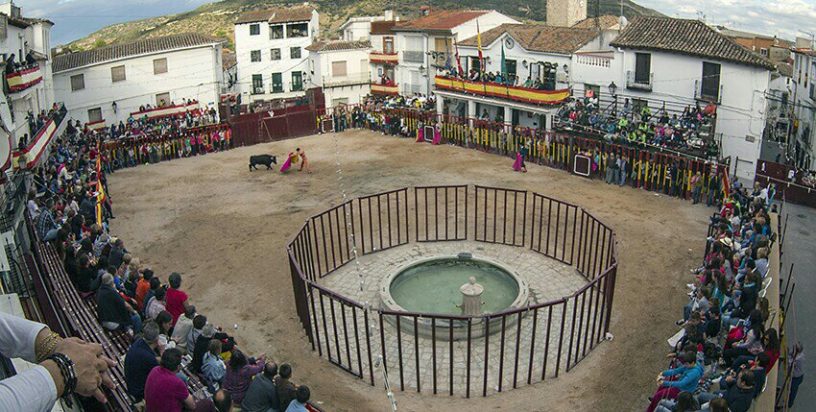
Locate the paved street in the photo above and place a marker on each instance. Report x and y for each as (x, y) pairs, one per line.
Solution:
(799, 248)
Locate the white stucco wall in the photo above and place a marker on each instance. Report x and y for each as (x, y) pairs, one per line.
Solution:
(357, 71)
(246, 43)
(193, 73)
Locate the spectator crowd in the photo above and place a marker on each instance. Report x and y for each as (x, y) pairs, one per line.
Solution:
(171, 342)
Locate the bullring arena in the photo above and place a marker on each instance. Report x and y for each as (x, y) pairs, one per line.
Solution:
(227, 231)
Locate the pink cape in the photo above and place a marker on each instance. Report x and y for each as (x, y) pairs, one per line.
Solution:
(517, 163)
(287, 164)
(437, 136)
(420, 135)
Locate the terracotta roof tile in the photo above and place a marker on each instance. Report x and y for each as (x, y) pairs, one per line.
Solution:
(276, 15)
(337, 45)
(691, 37)
(440, 20)
(538, 37)
(382, 27)
(605, 22)
(117, 51)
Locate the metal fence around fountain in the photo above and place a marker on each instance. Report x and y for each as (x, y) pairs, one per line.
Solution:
(347, 332)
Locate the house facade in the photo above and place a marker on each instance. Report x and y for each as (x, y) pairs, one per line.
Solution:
(802, 145)
(359, 28)
(427, 43)
(25, 46)
(107, 85)
(341, 68)
(270, 47)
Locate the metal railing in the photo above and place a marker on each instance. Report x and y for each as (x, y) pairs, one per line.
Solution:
(527, 344)
(704, 94)
(635, 82)
(412, 56)
(350, 79)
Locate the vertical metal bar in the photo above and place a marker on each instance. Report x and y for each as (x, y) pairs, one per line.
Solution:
(346, 226)
(581, 243)
(566, 226)
(314, 315)
(436, 212)
(598, 288)
(316, 253)
(427, 216)
(597, 250)
(334, 329)
(560, 336)
(515, 215)
(557, 228)
(399, 352)
(504, 219)
(371, 226)
(547, 345)
(447, 218)
(495, 212)
(416, 350)
(450, 356)
(456, 213)
(433, 353)
(467, 362)
(501, 348)
(540, 219)
(345, 332)
(581, 326)
(362, 229)
(485, 215)
(572, 330)
(524, 222)
(357, 341)
(465, 196)
(325, 327)
(407, 232)
(516, 358)
(368, 346)
(309, 252)
(549, 219)
(532, 347)
(388, 211)
(382, 343)
(379, 220)
(331, 239)
(574, 224)
(486, 353)
(399, 226)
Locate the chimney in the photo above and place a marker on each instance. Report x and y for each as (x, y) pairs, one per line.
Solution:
(389, 15)
(424, 11)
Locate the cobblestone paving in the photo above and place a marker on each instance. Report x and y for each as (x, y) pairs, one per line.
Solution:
(548, 280)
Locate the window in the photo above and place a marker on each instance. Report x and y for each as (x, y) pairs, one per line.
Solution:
(276, 54)
(643, 68)
(159, 66)
(95, 115)
(763, 52)
(297, 30)
(511, 66)
(254, 29)
(276, 32)
(297, 81)
(593, 91)
(277, 83)
(294, 52)
(711, 81)
(475, 64)
(257, 84)
(117, 74)
(388, 45)
(255, 56)
(77, 82)
(338, 69)
(163, 99)
(442, 46)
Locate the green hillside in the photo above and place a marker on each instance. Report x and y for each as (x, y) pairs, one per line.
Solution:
(216, 19)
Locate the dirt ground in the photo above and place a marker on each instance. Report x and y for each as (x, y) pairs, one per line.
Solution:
(225, 229)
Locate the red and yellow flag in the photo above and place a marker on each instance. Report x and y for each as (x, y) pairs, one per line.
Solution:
(100, 190)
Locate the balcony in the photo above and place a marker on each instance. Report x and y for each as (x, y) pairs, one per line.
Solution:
(167, 111)
(639, 82)
(384, 58)
(705, 93)
(501, 91)
(351, 79)
(23, 79)
(411, 56)
(388, 89)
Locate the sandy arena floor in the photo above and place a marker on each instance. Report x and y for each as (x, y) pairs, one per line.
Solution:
(225, 230)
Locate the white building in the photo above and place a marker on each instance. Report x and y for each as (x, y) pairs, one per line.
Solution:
(270, 47)
(384, 58)
(358, 28)
(27, 88)
(341, 69)
(107, 85)
(677, 63)
(427, 43)
(803, 140)
(535, 54)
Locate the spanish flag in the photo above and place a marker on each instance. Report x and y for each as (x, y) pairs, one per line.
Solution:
(479, 47)
(100, 190)
(726, 183)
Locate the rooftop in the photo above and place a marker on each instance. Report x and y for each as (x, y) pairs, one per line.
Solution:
(276, 15)
(538, 37)
(382, 27)
(690, 37)
(605, 22)
(337, 45)
(70, 61)
(439, 20)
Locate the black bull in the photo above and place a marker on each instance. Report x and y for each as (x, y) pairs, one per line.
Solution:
(266, 160)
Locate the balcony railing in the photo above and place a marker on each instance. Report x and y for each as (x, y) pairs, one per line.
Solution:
(351, 79)
(635, 82)
(705, 94)
(411, 56)
(167, 111)
(383, 57)
(389, 88)
(593, 60)
(23, 79)
(515, 93)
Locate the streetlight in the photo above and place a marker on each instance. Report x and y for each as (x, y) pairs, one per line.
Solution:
(613, 90)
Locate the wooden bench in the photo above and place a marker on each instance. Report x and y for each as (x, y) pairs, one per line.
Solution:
(77, 316)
